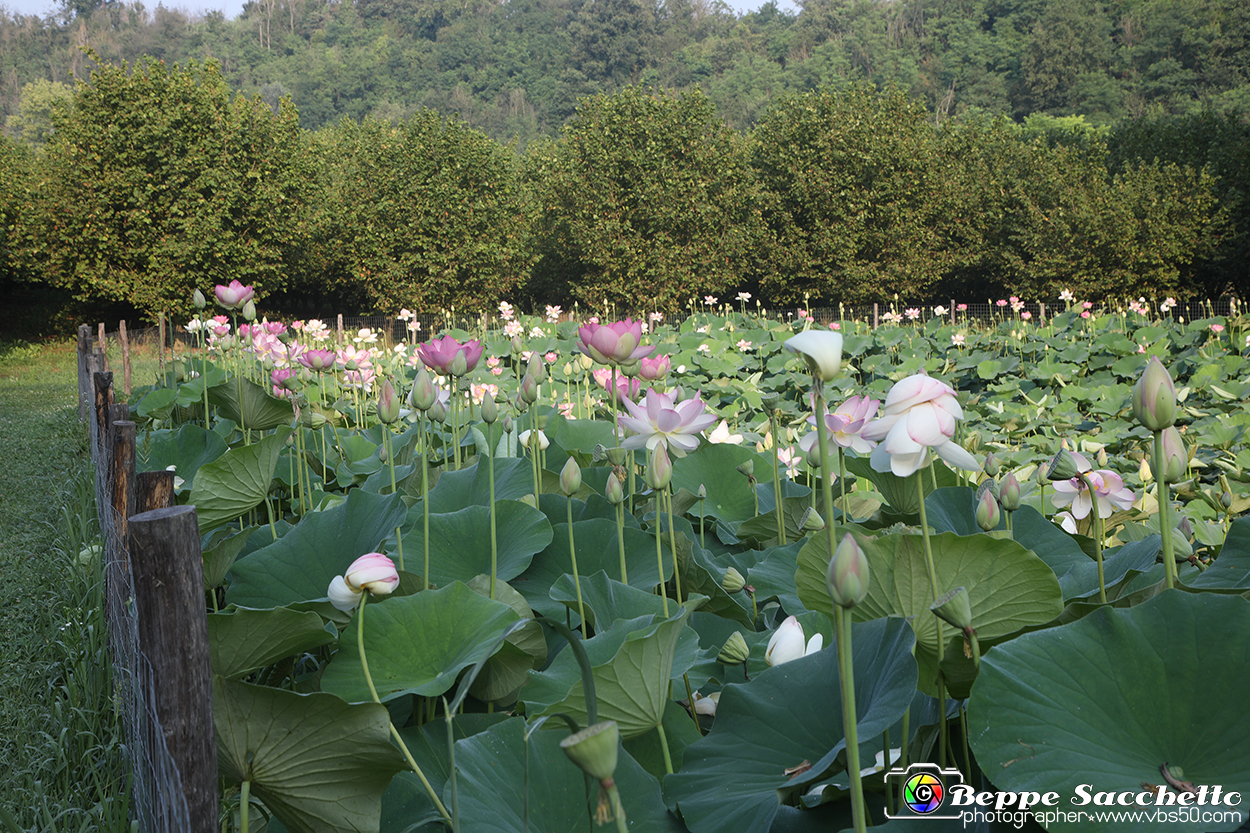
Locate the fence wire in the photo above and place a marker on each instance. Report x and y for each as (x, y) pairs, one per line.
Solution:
(157, 803)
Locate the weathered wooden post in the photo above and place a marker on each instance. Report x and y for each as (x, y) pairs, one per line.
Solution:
(122, 469)
(154, 490)
(173, 635)
(84, 379)
(875, 310)
(104, 350)
(160, 347)
(102, 384)
(121, 336)
(340, 328)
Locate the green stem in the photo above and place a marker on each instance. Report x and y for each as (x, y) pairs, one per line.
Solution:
(494, 536)
(842, 626)
(672, 539)
(620, 537)
(659, 557)
(941, 637)
(618, 811)
(690, 699)
(885, 761)
(668, 760)
(826, 470)
(1096, 521)
(1165, 507)
(841, 483)
(245, 799)
(425, 506)
(364, 667)
(781, 524)
(577, 582)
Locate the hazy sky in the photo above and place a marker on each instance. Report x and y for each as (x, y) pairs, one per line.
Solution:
(233, 7)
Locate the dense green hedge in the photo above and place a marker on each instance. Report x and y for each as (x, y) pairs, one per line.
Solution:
(156, 180)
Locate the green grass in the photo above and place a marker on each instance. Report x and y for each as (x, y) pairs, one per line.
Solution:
(60, 737)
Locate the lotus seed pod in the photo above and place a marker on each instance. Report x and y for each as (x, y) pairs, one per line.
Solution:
(770, 400)
(732, 581)
(616, 456)
(1154, 397)
(540, 421)
(747, 468)
(811, 521)
(631, 370)
(954, 608)
(595, 749)
(570, 478)
(847, 577)
(734, 651)
(1062, 466)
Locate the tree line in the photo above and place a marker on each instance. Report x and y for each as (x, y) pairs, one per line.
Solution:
(157, 178)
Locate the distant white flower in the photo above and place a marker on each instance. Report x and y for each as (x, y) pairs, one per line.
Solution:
(721, 434)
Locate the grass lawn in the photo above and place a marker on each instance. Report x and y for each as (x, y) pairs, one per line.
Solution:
(59, 734)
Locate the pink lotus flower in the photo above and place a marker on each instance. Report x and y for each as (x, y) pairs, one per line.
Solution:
(845, 426)
(920, 413)
(615, 343)
(283, 378)
(654, 369)
(663, 422)
(318, 360)
(1217, 328)
(626, 388)
(439, 354)
(372, 572)
(1110, 494)
(961, 307)
(234, 296)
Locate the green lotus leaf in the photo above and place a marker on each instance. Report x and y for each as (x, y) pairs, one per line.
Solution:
(236, 481)
(1231, 570)
(187, 449)
(1107, 700)
(241, 640)
(250, 405)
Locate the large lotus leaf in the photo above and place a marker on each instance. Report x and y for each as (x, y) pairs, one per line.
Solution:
(679, 732)
(1108, 699)
(417, 644)
(735, 777)
(729, 494)
(952, 509)
(1137, 557)
(508, 669)
(300, 565)
(497, 795)
(236, 481)
(607, 600)
(221, 548)
(701, 574)
(471, 486)
(241, 640)
(187, 449)
(250, 405)
(1009, 587)
(460, 541)
(597, 549)
(318, 763)
(1231, 570)
(773, 576)
(632, 663)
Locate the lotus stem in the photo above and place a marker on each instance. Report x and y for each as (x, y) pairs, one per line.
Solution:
(885, 761)
(668, 759)
(826, 471)
(618, 811)
(672, 540)
(659, 560)
(245, 799)
(494, 538)
(620, 538)
(1165, 511)
(1096, 522)
(577, 582)
(781, 524)
(944, 735)
(841, 484)
(364, 667)
(425, 506)
(451, 775)
(842, 627)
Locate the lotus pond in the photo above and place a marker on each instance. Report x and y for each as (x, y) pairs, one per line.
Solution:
(572, 567)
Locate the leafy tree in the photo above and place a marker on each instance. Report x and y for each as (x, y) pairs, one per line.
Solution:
(647, 199)
(426, 213)
(157, 181)
(33, 122)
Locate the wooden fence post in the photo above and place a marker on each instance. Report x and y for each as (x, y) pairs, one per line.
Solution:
(154, 490)
(84, 379)
(104, 350)
(875, 310)
(340, 328)
(102, 384)
(121, 336)
(122, 469)
(173, 635)
(160, 347)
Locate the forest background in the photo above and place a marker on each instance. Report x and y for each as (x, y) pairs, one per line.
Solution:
(418, 153)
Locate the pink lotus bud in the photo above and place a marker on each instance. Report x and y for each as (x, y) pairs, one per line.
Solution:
(570, 477)
(388, 403)
(847, 576)
(1154, 397)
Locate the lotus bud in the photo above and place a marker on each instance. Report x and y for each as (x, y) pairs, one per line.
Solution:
(436, 412)
(702, 493)
(1226, 499)
(540, 421)
(1154, 397)
(490, 411)
(1175, 456)
(734, 651)
(1143, 471)
(516, 345)
(388, 403)
(631, 370)
(536, 368)
(786, 643)
(1062, 466)
(847, 577)
(459, 364)
(570, 478)
(422, 395)
(732, 581)
(954, 608)
(529, 389)
(821, 349)
(988, 513)
(197, 299)
(747, 469)
(382, 455)
(534, 439)
(616, 456)
(992, 466)
(1186, 527)
(811, 521)
(586, 362)
(1009, 492)
(507, 425)
(595, 749)
(614, 491)
(659, 468)
(519, 404)
(249, 311)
